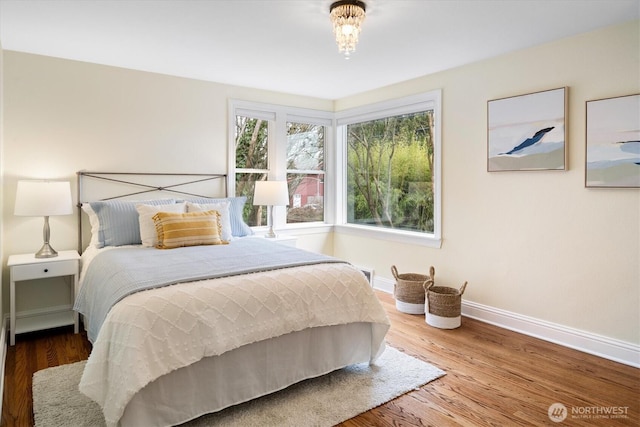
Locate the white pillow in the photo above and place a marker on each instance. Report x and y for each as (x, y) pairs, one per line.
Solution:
(148, 232)
(95, 224)
(222, 208)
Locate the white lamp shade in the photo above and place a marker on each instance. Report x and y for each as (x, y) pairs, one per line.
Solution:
(271, 193)
(43, 198)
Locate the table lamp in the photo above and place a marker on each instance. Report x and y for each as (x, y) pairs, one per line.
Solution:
(270, 194)
(43, 198)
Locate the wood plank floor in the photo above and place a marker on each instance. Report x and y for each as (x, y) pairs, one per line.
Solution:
(494, 378)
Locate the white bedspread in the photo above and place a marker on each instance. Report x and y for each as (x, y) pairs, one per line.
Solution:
(151, 333)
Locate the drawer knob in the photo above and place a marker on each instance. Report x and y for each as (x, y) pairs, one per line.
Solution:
(46, 270)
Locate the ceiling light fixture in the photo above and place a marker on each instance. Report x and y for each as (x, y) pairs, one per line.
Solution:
(347, 17)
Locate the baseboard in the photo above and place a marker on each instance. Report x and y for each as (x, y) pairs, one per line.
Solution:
(598, 345)
(3, 356)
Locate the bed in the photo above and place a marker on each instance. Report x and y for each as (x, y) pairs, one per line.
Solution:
(194, 328)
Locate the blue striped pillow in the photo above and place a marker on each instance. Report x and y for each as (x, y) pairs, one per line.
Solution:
(238, 227)
(118, 221)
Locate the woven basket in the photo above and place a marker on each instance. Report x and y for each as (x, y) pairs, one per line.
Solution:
(443, 305)
(409, 291)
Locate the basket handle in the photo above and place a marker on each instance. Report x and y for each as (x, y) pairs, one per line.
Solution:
(430, 281)
(464, 286)
(394, 271)
(432, 272)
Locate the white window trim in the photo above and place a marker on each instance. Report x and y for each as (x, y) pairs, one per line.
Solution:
(280, 115)
(411, 104)
(335, 161)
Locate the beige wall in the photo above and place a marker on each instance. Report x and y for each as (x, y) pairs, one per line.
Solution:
(538, 244)
(63, 116)
(534, 243)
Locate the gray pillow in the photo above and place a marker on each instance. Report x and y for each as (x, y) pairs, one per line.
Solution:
(238, 227)
(118, 221)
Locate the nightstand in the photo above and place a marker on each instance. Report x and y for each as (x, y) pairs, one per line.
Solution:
(28, 267)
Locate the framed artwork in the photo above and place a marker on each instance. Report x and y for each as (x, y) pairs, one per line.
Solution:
(613, 142)
(527, 132)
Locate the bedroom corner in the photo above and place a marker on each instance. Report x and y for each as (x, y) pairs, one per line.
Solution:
(551, 314)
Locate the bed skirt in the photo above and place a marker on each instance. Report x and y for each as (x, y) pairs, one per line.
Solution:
(249, 372)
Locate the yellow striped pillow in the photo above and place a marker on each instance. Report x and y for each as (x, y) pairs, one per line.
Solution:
(176, 230)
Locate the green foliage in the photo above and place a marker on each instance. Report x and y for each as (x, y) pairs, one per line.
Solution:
(251, 153)
(305, 152)
(251, 143)
(390, 172)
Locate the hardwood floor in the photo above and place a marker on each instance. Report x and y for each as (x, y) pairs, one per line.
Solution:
(494, 378)
(32, 353)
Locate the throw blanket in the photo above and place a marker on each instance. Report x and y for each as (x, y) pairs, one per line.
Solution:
(115, 274)
(149, 334)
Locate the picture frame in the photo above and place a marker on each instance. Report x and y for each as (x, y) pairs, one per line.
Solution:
(528, 132)
(612, 158)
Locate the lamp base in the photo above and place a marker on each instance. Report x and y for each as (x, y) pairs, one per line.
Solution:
(46, 251)
(270, 234)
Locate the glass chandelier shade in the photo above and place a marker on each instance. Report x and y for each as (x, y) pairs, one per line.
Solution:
(347, 17)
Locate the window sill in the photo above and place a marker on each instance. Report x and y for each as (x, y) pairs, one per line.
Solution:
(299, 228)
(405, 237)
(390, 235)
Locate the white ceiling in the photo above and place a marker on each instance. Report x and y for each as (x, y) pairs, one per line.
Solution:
(288, 45)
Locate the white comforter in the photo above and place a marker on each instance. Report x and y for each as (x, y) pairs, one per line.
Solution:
(151, 333)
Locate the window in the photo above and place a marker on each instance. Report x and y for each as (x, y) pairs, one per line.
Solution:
(380, 177)
(391, 170)
(272, 142)
(305, 172)
(251, 136)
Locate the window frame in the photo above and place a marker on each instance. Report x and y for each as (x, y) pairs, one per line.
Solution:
(431, 100)
(278, 116)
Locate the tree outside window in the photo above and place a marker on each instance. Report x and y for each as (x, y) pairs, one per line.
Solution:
(252, 163)
(390, 172)
(305, 162)
(372, 170)
(305, 172)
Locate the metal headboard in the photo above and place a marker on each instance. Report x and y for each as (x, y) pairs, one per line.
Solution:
(142, 182)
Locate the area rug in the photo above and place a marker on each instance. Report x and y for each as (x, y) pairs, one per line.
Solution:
(323, 401)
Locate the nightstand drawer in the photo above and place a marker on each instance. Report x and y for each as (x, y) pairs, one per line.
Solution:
(39, 271)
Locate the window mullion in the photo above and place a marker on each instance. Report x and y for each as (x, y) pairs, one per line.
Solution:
(306, 171)
(278, 163)
(339, 176)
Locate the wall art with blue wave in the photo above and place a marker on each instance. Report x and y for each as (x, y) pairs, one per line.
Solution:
(613, 142)
(527, 132)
